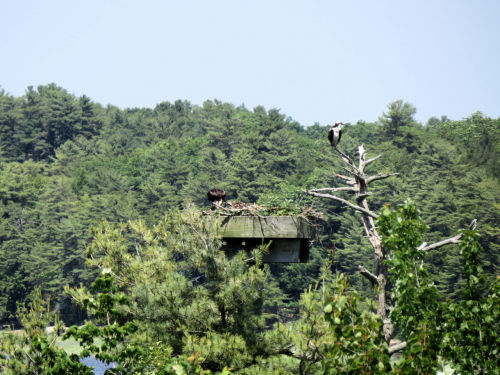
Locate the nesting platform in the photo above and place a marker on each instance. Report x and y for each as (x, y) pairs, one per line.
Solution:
(290, 236)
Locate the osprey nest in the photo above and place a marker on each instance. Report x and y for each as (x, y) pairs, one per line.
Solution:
(252, 209)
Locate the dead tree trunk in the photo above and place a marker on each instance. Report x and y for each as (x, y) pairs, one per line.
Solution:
(357, 182)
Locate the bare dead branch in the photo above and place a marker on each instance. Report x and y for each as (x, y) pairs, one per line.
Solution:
(370, 276)
(362, 154)
(350, 171)
(451, 240)
(348, 180)
(397, 347)
(347, 203)
(473, 224)
(344, 188)
(345, 156)
(361, 151)
(364, 195)
(455, 239)
(366, 162)
(380, 177)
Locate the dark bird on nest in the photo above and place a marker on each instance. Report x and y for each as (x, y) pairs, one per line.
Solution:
(335, 133)
(216, 196)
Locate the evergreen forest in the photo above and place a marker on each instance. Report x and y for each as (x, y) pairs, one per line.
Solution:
(98, 201)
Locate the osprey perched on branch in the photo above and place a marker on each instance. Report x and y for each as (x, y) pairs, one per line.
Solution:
(335, 133)
(216, 196)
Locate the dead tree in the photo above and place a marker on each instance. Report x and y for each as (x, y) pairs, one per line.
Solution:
(357, 182)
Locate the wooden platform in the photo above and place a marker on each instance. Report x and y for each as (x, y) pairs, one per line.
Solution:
(289, 236)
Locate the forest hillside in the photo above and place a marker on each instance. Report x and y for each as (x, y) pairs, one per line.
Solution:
(68, 163)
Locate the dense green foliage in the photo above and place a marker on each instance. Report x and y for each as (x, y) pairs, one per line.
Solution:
(473, 333)
(184, 292)
(416, 310)
(464, 332)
